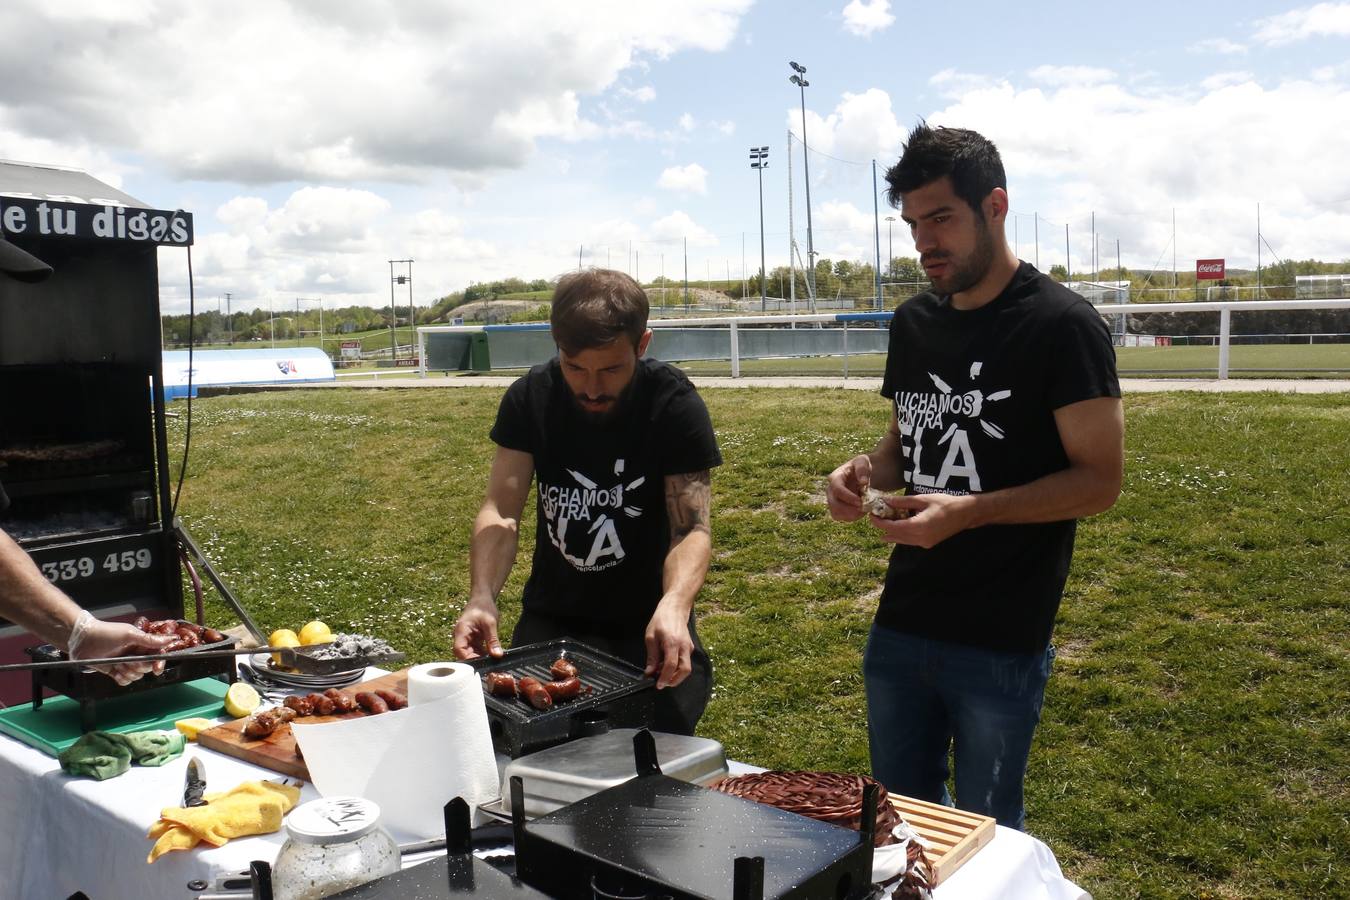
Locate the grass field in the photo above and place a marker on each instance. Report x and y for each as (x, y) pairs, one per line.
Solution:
(1194, 736)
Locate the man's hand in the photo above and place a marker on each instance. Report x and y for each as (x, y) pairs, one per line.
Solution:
(668, 646)
(845, 488)
(476, 631)
(932, 519)
(105, 639)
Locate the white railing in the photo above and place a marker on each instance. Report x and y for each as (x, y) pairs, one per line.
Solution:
(1225, 309)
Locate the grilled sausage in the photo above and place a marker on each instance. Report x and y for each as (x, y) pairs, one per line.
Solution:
(268, 721)
(501, 684)
(372, 703)
(564, 689)
(188, 635)
(562, 669)
(211, 636)
(534, 693)
(163, 626)
(395, 701)
(324, 706)
(141, 623)
(301, 705)
(343, 702)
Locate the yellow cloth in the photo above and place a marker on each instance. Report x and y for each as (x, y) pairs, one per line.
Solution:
(254, 807)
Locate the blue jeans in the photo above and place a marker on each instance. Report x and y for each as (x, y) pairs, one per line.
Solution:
(925, 697)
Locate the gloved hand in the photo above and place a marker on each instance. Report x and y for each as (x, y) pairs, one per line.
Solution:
(254, 807)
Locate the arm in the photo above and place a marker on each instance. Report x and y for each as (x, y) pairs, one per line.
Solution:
(882, 469)
(1093, 435)
(492, 552)
(689, 508)
(28, 599)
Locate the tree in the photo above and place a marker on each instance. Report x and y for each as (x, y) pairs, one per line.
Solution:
(1059, 273)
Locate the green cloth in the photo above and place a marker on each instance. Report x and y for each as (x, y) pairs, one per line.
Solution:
(105, 754)
(98, 755)
(155, 748)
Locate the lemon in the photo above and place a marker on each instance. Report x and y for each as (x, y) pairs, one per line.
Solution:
(190, 727)
(282, 637)
(241, 700)
(315, 632)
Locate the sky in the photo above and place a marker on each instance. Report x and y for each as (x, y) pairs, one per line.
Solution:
(315, 141)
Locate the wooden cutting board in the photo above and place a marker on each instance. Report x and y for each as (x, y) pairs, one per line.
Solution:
(277, 750)
(953, 834)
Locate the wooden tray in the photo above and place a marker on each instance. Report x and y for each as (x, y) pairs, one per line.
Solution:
(277, 750)
(953, 834)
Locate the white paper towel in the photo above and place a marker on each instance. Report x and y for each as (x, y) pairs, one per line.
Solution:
(410, 761)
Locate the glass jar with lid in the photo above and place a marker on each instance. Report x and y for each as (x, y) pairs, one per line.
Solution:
(332, 844)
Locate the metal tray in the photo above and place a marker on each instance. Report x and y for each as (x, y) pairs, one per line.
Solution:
(572, 771)
(621, 696)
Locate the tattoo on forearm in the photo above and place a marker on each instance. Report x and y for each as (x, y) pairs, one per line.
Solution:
(688, 503)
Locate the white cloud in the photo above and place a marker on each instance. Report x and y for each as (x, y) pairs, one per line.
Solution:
(861, 127)
(275, 92)
(1071, 76)
(1321, 20)
(685, 179)
(1217, 45)
(1212, 154)
(644, 94)
(951, 83)
(686, 122)
(677, 226)
(864, 17)
(1224, 79)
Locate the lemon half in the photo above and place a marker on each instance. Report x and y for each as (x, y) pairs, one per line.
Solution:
(241, 700)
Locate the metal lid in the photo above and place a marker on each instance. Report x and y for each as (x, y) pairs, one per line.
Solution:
(332, 820)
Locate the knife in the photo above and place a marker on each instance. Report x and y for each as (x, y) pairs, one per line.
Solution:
(195, 784)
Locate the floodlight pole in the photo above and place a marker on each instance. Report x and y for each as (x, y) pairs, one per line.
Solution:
(890, 253)
(229, 318)
(802, 85)
(759, 159)
(393, 309)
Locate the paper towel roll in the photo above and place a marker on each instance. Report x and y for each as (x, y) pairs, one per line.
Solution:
(410, 761)
(437, 680)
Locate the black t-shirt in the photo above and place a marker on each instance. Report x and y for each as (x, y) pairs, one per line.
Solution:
(975, 393)
(602, 532)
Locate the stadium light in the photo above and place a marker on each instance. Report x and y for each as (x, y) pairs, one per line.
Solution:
(890, 254)
(802, 84)
(759, 159)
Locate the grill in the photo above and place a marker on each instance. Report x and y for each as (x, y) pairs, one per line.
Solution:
(621, 697)
(654, 836)
(83, 448)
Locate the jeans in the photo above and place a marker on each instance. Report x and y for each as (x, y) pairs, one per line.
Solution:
(925, 697)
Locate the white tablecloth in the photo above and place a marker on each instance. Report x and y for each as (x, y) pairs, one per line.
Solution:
(64, 834)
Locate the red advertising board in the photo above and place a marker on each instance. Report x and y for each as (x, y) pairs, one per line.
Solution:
(1208, 269)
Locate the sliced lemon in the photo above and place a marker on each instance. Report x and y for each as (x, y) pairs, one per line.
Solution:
(315, 632)
(190, 727)
(241, 700)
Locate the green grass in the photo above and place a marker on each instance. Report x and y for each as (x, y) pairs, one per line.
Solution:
(1194, 735)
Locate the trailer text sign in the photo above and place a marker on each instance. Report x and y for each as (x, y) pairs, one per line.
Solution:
(1208, 269)
(42, 218)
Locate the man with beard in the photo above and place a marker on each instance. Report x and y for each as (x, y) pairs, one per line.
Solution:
(1006, 427)
(622, 447)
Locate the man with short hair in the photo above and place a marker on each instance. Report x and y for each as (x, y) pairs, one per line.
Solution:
(622, 446)
(1006, 428)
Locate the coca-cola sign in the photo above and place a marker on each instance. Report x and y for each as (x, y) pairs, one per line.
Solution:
(1206, 269)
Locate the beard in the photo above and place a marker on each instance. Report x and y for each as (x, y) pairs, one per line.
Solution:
(968, 272)
(619, 405)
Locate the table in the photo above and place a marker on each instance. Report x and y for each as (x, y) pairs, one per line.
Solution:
(67, 834)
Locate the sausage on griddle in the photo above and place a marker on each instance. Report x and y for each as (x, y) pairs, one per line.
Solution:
(562, 669)
(563, 690)
(533, 692)
(501, 684)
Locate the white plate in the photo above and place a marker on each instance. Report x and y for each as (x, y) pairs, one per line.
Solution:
(261, 663)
